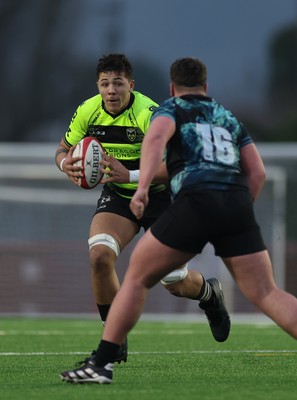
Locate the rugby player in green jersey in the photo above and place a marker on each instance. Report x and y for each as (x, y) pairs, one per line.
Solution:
(119, 117)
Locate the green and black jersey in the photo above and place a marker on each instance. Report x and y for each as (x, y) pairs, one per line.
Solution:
(120, 134)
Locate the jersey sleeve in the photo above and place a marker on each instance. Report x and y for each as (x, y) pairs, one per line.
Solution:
(166, 109)
(244, 137)
(77, 127)
(84, 114)
(144, 107)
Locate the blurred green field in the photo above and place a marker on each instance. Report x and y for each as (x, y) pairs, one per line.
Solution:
(167, 360)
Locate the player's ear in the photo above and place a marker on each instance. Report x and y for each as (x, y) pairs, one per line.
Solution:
(132, 85)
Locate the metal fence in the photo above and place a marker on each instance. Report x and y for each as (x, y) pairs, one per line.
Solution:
(44, 222)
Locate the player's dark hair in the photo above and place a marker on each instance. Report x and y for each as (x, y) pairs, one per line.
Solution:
(188, 72)
(114, 63)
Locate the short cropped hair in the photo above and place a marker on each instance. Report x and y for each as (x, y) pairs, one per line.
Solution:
(189, 72)
(114, 63)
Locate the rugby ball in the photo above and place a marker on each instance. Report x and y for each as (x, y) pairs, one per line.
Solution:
(91, 151)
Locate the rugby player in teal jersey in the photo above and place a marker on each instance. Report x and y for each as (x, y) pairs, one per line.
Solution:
(119, 118)
(215, 173)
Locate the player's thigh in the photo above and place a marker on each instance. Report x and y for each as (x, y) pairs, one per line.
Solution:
(151, 260)
(253, 274)
(120, 228)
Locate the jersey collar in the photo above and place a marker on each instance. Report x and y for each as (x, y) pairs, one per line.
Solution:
(132, 97)
(196, 96)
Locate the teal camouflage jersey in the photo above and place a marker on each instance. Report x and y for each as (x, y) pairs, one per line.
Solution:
(205, 150)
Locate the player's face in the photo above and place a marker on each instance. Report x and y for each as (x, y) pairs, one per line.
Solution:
(115, 90)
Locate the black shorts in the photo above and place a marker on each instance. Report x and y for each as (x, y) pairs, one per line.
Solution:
(111, 202)
(225, 219)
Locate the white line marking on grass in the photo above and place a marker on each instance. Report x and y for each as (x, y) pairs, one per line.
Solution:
(47, 333)
(71, 353)
(42, 353)
(15, 332)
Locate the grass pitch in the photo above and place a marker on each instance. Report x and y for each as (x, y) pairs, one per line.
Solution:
(167, 360)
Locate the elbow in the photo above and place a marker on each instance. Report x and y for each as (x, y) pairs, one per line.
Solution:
(260, 179)
(256, 183)
(259, 175)
(262, 175)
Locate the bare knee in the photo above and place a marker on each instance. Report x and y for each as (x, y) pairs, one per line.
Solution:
(258, 292)
(102, 260)
(253, 274)
(103, 250)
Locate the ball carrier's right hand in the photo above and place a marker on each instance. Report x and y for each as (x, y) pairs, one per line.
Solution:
(74, 172)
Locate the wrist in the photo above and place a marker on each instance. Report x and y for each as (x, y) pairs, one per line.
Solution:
(61, 164)
(134, 176)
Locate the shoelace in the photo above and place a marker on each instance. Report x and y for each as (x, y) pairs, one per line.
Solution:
(87, 359)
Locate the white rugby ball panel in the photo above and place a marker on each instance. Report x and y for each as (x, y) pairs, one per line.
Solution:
(91, 151)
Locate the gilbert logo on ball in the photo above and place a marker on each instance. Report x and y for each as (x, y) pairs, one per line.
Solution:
(91, 151)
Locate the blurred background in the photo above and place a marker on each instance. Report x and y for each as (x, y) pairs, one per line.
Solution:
(49, 51)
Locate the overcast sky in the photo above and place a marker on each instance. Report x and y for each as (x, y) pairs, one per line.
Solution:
(230, 36)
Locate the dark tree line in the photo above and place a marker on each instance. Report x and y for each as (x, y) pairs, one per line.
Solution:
(43, 78)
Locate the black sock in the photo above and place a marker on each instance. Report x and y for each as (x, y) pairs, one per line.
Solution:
(205, 294)
(106, 353)
(103, 311)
